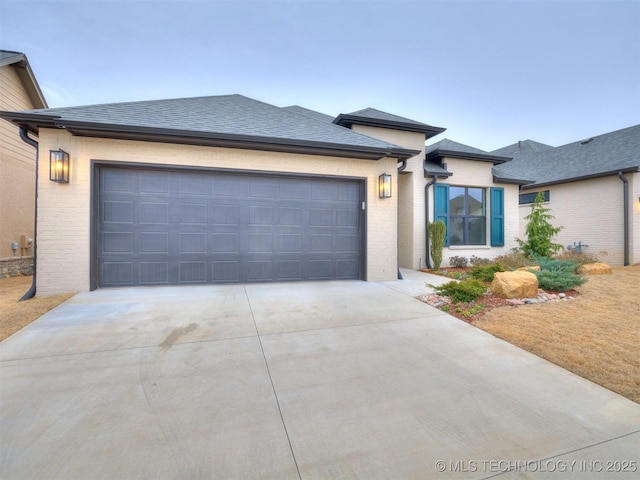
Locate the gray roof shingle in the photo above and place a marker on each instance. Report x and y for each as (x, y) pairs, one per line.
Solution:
(522, 146)
(230, 116)
(599, 156)
(377, 118)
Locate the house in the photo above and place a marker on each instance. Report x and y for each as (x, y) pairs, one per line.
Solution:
(224, 189)
(19, 90)
(215, 190)
(592, 187)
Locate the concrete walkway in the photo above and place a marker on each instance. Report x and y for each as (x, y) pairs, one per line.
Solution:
(294, 381)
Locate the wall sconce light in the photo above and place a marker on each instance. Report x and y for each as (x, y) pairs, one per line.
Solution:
(59, 166)
(384, 185)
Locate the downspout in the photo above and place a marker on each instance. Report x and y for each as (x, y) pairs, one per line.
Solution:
(401, 167)
(625, 190)
(426, 218)
(32, 290)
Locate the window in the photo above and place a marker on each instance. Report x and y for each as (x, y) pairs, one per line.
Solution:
(463, 210)
(528, 198)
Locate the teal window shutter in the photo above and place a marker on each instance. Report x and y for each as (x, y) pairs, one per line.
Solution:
(441, 206)
(497, 217)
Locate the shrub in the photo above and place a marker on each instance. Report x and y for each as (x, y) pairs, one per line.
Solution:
(558, 274)
(437, 232)
(556, 265)
(475, 261)
(458, 262)
(485, 273)
(578, 258)
(513, 261)
(539, 231)
(465, 291)
(558, 280)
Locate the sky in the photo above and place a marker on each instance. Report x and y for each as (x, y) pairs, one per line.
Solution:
(491, 72)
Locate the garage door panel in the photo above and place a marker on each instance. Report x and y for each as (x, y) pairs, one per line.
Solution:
(196, 227)
(154, 212)
(154, 273)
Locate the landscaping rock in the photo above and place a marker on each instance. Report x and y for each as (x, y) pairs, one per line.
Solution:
(531, 267)
(597, 268)
(516, 284)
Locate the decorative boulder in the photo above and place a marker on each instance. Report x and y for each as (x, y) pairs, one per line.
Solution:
(595, 269)
(515, 284)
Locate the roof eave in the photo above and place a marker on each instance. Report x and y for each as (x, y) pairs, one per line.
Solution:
(480, 157)
(631, 169)
(346, 120)
(515, 181)
(33, 122)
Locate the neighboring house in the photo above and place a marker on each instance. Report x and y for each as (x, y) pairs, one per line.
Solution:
(19, 90)
(216, 190)
(592, 188)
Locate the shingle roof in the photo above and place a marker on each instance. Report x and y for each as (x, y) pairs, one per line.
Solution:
(522, 146)
(451, 146)
(228, 117)
(599, 156)
(8, 57)
(309, 113)
(377, 118)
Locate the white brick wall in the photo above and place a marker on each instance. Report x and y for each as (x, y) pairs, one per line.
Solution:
(64, 211)
(591, 211)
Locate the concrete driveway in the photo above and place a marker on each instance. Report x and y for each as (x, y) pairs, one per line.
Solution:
(286, 381)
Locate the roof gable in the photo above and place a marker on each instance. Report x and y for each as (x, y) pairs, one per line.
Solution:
(20, 62)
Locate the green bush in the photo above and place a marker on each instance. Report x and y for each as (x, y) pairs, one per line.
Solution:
(556, 265)
(539, 231)
(458, 262)
(465, 291)
(437, 232)
(485, 273)
(558, 280)
(556, 274)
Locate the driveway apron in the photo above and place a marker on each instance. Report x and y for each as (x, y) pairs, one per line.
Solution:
(340, 379)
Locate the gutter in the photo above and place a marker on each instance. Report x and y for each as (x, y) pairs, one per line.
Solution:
(625, 202)
(426, 218)
(32, 290)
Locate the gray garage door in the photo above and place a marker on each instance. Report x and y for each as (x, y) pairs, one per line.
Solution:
(158, 227)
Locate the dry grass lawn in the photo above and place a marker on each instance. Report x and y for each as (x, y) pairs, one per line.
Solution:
(14, 315)
(596, 336)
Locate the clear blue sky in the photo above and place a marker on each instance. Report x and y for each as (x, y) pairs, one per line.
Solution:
(491, 72)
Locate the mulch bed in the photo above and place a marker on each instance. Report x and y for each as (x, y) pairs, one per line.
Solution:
(490, 300)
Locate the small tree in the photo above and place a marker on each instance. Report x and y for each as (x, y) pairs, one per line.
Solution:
(539, 231)
(437, 232)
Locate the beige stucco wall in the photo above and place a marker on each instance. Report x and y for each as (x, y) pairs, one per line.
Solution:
(410, 194)
(64, 209)
(468, 173)
(17, 169)
(591, 212)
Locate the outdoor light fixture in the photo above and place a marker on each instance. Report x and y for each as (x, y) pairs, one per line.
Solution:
(384, 185)
(59, 166)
